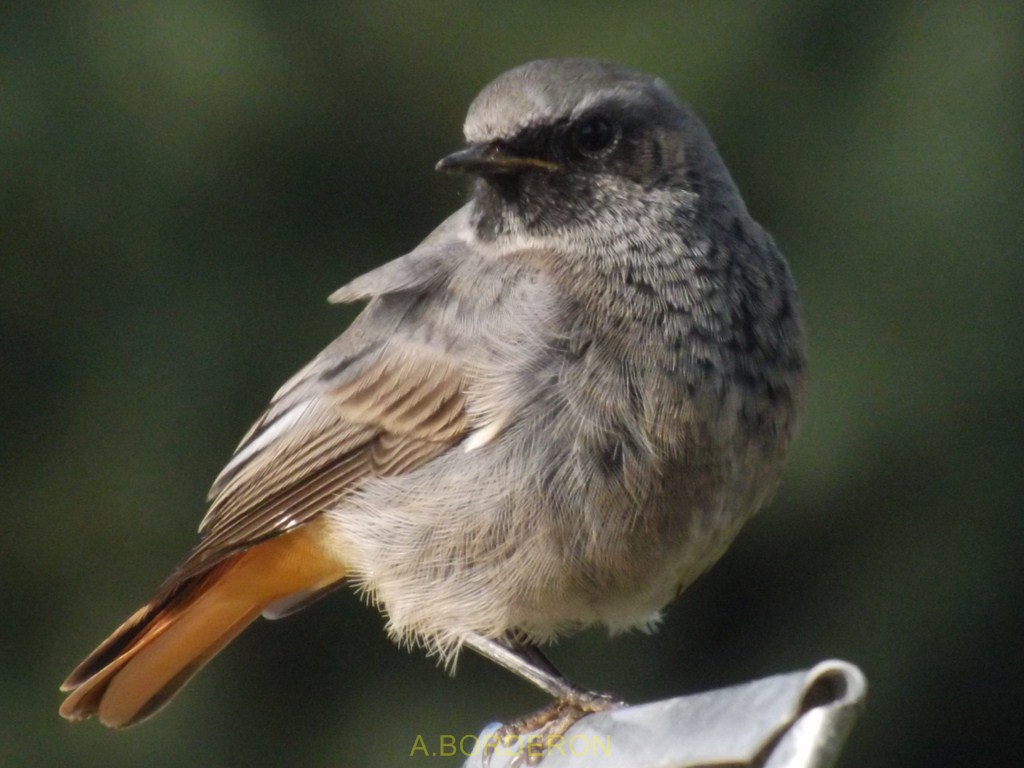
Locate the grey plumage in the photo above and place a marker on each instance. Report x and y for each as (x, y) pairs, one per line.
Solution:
(627, 342)
(562, 406)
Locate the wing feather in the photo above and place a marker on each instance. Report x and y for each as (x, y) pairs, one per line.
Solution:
(387, 396)
(393, 415)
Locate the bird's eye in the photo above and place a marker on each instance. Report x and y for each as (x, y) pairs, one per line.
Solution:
(593, 136)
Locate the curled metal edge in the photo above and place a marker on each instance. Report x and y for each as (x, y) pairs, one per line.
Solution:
(833, 698)
(795, 720)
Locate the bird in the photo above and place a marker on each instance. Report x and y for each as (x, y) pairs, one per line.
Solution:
(556, 412)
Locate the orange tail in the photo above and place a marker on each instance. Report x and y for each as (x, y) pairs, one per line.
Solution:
(152, 655)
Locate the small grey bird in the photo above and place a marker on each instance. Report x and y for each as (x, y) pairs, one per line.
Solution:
(557, 411)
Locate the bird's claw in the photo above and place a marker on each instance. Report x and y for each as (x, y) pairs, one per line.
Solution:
(542, 732)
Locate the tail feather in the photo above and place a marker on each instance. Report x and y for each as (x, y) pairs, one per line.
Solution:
(158, 649)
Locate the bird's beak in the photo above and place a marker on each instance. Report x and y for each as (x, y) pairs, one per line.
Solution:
(490, 159)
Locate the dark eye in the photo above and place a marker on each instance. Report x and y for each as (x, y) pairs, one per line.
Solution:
(593, 136)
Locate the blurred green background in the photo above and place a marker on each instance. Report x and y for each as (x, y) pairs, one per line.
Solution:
(182, 184)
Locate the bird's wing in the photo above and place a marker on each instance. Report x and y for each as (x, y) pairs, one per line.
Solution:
(378, 401)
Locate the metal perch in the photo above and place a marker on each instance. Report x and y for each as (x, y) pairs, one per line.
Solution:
(794, 720)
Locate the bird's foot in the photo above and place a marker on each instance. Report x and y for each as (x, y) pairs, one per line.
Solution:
(542, 732)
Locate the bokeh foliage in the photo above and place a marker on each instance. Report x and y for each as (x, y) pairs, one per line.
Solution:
(181, 184)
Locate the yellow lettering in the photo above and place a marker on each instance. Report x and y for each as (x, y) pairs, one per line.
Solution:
(534, 746)
(556, 743)
(419, 745)
(572, 745)
(446, 742)
(462, 745)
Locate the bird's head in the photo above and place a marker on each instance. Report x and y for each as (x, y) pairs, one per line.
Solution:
(559, 143)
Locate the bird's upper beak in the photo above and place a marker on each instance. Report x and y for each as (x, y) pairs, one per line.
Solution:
(489, 159)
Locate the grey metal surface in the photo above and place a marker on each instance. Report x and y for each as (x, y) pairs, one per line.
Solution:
(794, 720)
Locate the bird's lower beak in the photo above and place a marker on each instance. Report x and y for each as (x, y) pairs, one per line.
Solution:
(489, 159)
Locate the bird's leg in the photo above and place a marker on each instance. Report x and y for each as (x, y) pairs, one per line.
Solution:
(525, 660)
(548, 725)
